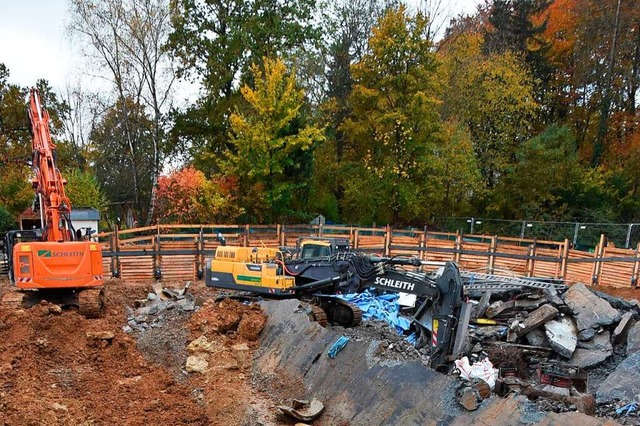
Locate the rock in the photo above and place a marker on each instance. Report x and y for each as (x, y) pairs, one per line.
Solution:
(537, 337)
(59, 407)
(196, 364)
(251, 326)
(537, 318)
(240, 347)
(127, 329)
(100, 335)
(55, 309)
(469, 398)
(552, 296)
(620, 333)
(615, 302)
(151, 296)
(202, 344)
(585, 358)
(555, 390)
(601, 342)
(633, 339)
(589, 310)
(482, 305)
(562, 335)
(623, 384)
(587, 334)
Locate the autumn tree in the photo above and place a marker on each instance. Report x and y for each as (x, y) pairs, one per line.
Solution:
(271, 145)
(186, 196)
(215, 43)
(394, 122)
(493, 96)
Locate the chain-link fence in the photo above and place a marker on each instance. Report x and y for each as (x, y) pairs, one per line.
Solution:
(584, 236)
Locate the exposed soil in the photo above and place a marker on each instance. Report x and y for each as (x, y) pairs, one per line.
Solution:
(52, 372)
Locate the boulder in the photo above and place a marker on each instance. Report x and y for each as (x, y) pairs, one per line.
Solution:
(589, 310)
(562, 336)
(620, 333)
(537, 337)
(585, 358)
(633, 339)
(602, 342)
(623, 383)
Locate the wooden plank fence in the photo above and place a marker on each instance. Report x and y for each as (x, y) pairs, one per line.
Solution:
(180, 252)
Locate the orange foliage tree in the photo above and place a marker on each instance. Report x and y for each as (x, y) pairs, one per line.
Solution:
(187, 196)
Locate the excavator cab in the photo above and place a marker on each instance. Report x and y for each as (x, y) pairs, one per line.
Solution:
(317, 247)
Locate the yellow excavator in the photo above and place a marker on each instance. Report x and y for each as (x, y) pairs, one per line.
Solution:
(322, 269)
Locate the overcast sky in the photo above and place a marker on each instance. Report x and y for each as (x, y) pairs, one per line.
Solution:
(34, 42)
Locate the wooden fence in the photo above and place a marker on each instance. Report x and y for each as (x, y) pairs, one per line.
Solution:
(180, 252)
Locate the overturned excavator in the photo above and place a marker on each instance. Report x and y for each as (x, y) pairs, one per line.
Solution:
(320, 279)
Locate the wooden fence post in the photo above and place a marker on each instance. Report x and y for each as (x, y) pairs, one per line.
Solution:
(531, 268)
(422, 255)
(636, 266)
(492, 250)
(245, 236)
(354, 237)
(200, 263)
(597, 266)
(458, 247)
(565, 259)
(116, 272)
(387, 241)
(157, 268)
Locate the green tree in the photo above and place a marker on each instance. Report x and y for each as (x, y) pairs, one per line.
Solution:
(271, 145)
(121, 149)
(83, 190)
(216, 42)
(393, 129)
(493, 96)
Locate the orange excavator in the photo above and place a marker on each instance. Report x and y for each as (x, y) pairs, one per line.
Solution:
(61, 263)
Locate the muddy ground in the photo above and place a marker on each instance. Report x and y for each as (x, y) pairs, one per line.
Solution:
(52, 372)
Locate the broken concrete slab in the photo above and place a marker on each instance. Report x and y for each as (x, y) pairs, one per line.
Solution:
(589, 310)
(623, 384)
(633, 339)
(601, 342)
(537, 318)
(620, 332)
(537, 337)
(481, 307)
(562, 336)
(615, 302)
(362, 388)
(585, 358)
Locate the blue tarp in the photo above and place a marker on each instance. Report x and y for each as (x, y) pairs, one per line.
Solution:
(383, 307)
(338, 346)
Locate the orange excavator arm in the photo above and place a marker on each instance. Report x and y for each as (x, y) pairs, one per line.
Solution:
(48, 182)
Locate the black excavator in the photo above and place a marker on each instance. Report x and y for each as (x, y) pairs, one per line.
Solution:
(441, 317)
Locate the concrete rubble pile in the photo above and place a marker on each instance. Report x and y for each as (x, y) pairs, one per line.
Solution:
(152, 311)
(569, 349)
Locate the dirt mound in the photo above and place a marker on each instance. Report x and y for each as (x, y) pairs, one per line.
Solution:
(60, 368)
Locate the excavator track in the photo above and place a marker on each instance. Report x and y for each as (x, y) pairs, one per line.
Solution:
(340, 312)
(91, 302)
(318, 314)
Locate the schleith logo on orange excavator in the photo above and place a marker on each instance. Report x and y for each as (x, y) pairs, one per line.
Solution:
(49, 253)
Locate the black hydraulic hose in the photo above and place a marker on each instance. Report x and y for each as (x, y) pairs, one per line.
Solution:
(317, 284)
